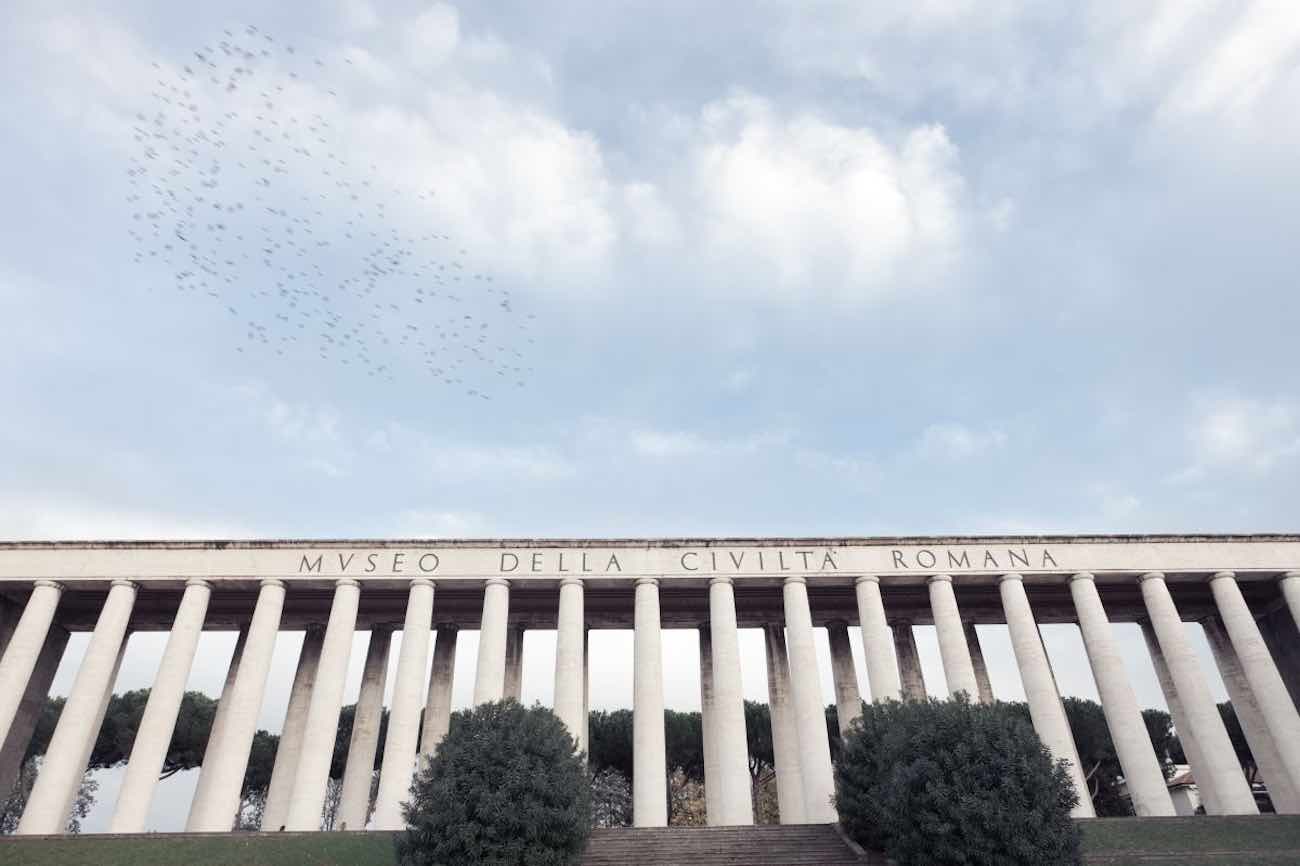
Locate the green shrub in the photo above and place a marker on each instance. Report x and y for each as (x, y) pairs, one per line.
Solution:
(950, 782)
(506, 787)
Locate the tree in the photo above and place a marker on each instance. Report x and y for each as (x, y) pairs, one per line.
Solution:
(12, 806)
(1160, 728)
(611, 799)
(507, 786)
(951, 782)
(1097, 757)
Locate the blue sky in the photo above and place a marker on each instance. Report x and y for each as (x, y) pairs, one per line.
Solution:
(796, 269)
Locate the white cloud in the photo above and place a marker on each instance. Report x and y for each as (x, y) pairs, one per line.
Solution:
(1229, 433)
(34, 518)
(431, 523)
(818, 209)
(952, 441)
(433, 36)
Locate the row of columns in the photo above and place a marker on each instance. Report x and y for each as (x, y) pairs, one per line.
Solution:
(801, 744)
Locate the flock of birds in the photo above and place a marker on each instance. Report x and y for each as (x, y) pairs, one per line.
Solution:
(242, 198)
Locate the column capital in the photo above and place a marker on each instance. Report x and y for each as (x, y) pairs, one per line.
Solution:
(1083, 575)
(54, 584)
(1290, 575)
(571, 581)
(198, 581)
(866, 578)
(796, 578)
(1011, 575)
(121, 581)
(1151, 575)
(496, 581)
(422, 581)
(939, 578)
(649, 581)
(346, 581)
(1222, 575)
(720, 578)
(272, 581)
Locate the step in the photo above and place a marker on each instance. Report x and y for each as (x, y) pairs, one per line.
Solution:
(765, 845)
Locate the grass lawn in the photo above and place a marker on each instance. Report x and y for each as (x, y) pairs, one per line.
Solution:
(1266, 840)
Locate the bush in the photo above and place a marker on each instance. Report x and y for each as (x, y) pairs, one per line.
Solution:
(950, 782)
(506, 787)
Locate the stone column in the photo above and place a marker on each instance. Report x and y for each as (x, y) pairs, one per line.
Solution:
(437, 709)
(490, 677)
(202, 791)
(730, 741)
(514, 681)
(1191, 748)
(809, 712)
(882, 670)
(1045, 707)
(354, 798)
(1146, 782)
(1220, 760)
(401, 744)
(570, 694)
(24, 648)
(1272, 772)
(1270, 693)
(1290, 585)
(844, 676)
(586, 685)
(977, 662)
(712, 771)
(78, 726)
(649, 759)
(785, 739)
(958, 669)
(322, 726)
(909, 662)
(158, 723)
(29, 709)
(289, 750)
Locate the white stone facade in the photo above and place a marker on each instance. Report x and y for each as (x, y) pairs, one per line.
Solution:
(1239, 586)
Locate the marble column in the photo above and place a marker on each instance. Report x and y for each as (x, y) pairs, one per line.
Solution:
(437, 708)
(1290, 586)
(1191, 748)
(1137, 758)
(730, 741)
(158, 723)
(844, 676)
(649, 758)
(712, 771)
(354, 798)
(78, 726)
(809, 712)
(401, 744)
(1268, 761)
(1220, 760)
(202, 791)
(490, 676)
(958, 669)
(785, 739)
(1045, 707)
(586, 685)
(289, 749)
(570, 635)
(977, 662)
(514, 681)
(877, 641)
(322, 726)
(911, 678)
(24, 648)
(31, 705)
(1265, 683)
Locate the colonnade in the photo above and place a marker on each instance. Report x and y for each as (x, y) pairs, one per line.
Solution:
(801, 744)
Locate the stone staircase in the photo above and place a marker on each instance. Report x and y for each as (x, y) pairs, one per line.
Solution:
(764, 845)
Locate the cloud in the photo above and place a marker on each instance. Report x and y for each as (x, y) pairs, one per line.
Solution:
(1231, 433)
(819, 210)
(957, 442)
(36, 518)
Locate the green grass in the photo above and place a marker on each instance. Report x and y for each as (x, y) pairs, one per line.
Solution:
(1267, 840)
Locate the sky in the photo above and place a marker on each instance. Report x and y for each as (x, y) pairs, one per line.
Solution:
(791, 269)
